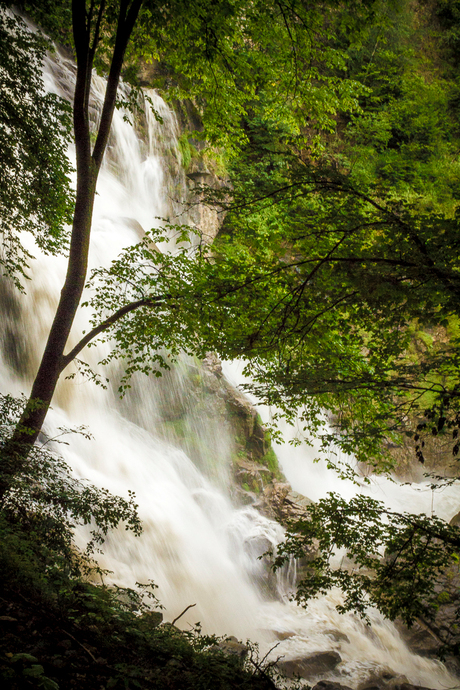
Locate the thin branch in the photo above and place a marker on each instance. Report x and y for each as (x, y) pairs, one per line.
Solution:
(97, 31)
(66, 359)
(81, 645)
(126, 21)
(190, 606)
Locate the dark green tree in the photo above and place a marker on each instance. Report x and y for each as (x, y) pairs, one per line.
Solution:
(225, 47)
(35, 193)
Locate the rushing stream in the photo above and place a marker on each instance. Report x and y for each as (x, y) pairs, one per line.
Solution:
(197, 546)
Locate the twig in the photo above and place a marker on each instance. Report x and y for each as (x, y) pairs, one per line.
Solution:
(270, 651)
(81, 645)
(184, 611)
(264, 675)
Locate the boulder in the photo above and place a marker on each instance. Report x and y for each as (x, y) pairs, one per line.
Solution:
(233, 647)
(382, 679)
(153, 618)
(419, 638)
(310, 665)
(330, 685)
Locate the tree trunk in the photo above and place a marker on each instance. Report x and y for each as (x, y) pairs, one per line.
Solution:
(88, 166)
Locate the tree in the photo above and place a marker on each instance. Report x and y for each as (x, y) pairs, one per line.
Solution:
(350, 256)
(227, 46)
(35, 194)
(349, 314)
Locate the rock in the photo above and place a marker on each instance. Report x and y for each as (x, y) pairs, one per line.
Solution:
(172, 628)
(455, 522)
(337, 636)
(153, 618)
(426, 637)
(382, 678)
(297, 500)
(213, 364)
(285, 503)
(419, 638)
(233, 647)
(310, 665)
(330, 685)
(283, 635)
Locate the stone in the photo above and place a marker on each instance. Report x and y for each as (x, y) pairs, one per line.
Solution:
(310, 665)
(233, 647)
(330, 685)
(337, 636)
(154, 618)
(286, 504)
(283, 635)
(382, 678)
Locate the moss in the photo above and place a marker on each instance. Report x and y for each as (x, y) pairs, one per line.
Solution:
(443, 597)
(185, 149)
(271, 461)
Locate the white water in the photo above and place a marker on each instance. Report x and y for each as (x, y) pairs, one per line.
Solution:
(196, 546)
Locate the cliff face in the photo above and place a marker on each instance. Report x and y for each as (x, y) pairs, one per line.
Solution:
(201, 165)
(219, 429)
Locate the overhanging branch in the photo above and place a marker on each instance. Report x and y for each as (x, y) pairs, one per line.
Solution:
(93, 333)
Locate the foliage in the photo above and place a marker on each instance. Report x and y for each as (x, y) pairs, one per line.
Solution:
(61, 631)
(390, 560)
(340, 243)
(333, 262)
(35, 192)
(47, 503)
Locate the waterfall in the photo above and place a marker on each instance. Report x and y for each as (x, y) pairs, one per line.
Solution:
(197, 546)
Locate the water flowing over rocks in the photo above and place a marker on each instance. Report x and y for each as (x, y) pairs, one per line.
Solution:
(377, 680)
(310, 665)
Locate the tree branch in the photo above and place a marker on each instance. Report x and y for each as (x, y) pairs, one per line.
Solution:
(128, 308)
(126, 21)
(96, 32)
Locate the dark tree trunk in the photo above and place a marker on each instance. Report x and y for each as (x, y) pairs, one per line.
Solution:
(88, 166)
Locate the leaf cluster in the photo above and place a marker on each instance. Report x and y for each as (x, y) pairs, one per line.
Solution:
(35, 192)
(377, 557)
(45, 500)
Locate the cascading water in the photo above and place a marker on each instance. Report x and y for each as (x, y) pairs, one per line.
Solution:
(196, 546)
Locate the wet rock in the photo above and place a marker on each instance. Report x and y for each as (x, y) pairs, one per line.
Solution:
(330, 685)
(419, 638)
(283, 634)
(251, 474)
(310, 665)
(337, 636)
(382, 678)
(285, 504)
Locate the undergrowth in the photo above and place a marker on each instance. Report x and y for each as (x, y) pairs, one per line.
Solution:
(61, 627)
